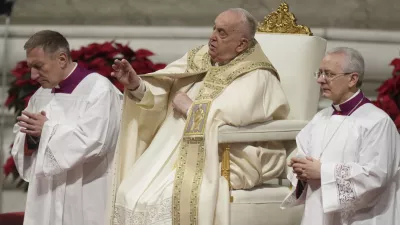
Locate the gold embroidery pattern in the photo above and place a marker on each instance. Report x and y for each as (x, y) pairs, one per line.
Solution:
(214, 83)
(190, 59)
(193, 135)
(198, 177)
(215, 78)
(176, 202)
(206, 62)
(209, 91)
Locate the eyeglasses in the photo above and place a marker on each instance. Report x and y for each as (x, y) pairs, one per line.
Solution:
(328, 75)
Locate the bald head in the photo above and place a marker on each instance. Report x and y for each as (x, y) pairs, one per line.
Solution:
(246, 22)
(234, 30)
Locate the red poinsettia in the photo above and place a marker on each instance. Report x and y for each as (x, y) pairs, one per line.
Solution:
(389, 94)
(96, 57)
(9, 166)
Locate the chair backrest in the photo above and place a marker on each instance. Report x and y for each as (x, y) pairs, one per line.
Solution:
(296, 57)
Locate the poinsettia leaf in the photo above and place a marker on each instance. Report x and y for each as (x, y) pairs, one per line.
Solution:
(143, 53)
(23, 93)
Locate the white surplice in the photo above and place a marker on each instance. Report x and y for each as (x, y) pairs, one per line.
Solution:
(145, 194)
(69, 175)
(360, 181)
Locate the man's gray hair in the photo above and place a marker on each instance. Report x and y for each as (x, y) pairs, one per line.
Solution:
(51, 42)
(249, 19)
(355, 62)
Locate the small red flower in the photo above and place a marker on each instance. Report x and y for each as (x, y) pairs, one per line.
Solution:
(389, 106)
(159, 66)
(397, 121)
(9, 166)
(20, 82)
(26, 99)
(10, 99)
(21, 69)
(77, 54)
(143, 53)
(126, 51)
(389, 93)
(396, 66)
(118, 85)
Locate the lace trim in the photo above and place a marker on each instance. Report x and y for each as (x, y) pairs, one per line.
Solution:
(50, 160)
(152, 215)
(346, 192)
(289, 201)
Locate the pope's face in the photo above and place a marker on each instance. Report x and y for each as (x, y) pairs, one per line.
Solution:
(226, 40)
(337, 83)
(46, 68)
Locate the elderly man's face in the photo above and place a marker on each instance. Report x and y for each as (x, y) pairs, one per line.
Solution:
(227, 39)
(336, 84)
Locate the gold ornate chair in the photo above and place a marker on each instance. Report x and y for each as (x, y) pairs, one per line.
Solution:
(296, 54)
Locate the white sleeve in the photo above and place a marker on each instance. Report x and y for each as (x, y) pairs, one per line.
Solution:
(356, 185)
(23, 161)
(94, 135)
(139, 92)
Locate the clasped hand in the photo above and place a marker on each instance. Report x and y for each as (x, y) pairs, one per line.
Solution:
(32, 123)
(181, 103)
(306, 168)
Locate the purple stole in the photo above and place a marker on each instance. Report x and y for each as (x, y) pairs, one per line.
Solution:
(68, 85)
(347, 108)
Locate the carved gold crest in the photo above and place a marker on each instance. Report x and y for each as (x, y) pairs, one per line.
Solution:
(282, 21)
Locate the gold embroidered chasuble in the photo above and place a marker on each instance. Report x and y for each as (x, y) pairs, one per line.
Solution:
(190, 163)
(193, 148)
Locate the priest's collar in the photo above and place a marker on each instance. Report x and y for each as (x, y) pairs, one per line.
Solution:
(350, 104)
(68, 85)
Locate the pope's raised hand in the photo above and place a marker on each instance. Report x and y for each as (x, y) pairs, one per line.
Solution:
(125, 74)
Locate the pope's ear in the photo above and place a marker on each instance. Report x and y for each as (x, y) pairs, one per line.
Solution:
(243, 45)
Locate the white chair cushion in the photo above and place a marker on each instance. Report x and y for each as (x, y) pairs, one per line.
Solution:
(261, 206)
(266, 194)
(296, 58)
(265, 214)
(273, 130)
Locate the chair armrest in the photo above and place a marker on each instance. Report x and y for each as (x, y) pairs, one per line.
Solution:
(276, 130)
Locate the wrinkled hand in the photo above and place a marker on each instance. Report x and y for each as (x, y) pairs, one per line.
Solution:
(32, 123)
(297, 171)
(125, 74)
(306, 169)
(181, 103)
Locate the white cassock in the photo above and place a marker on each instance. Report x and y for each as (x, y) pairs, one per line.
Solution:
(360, 181)
(68, 174)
